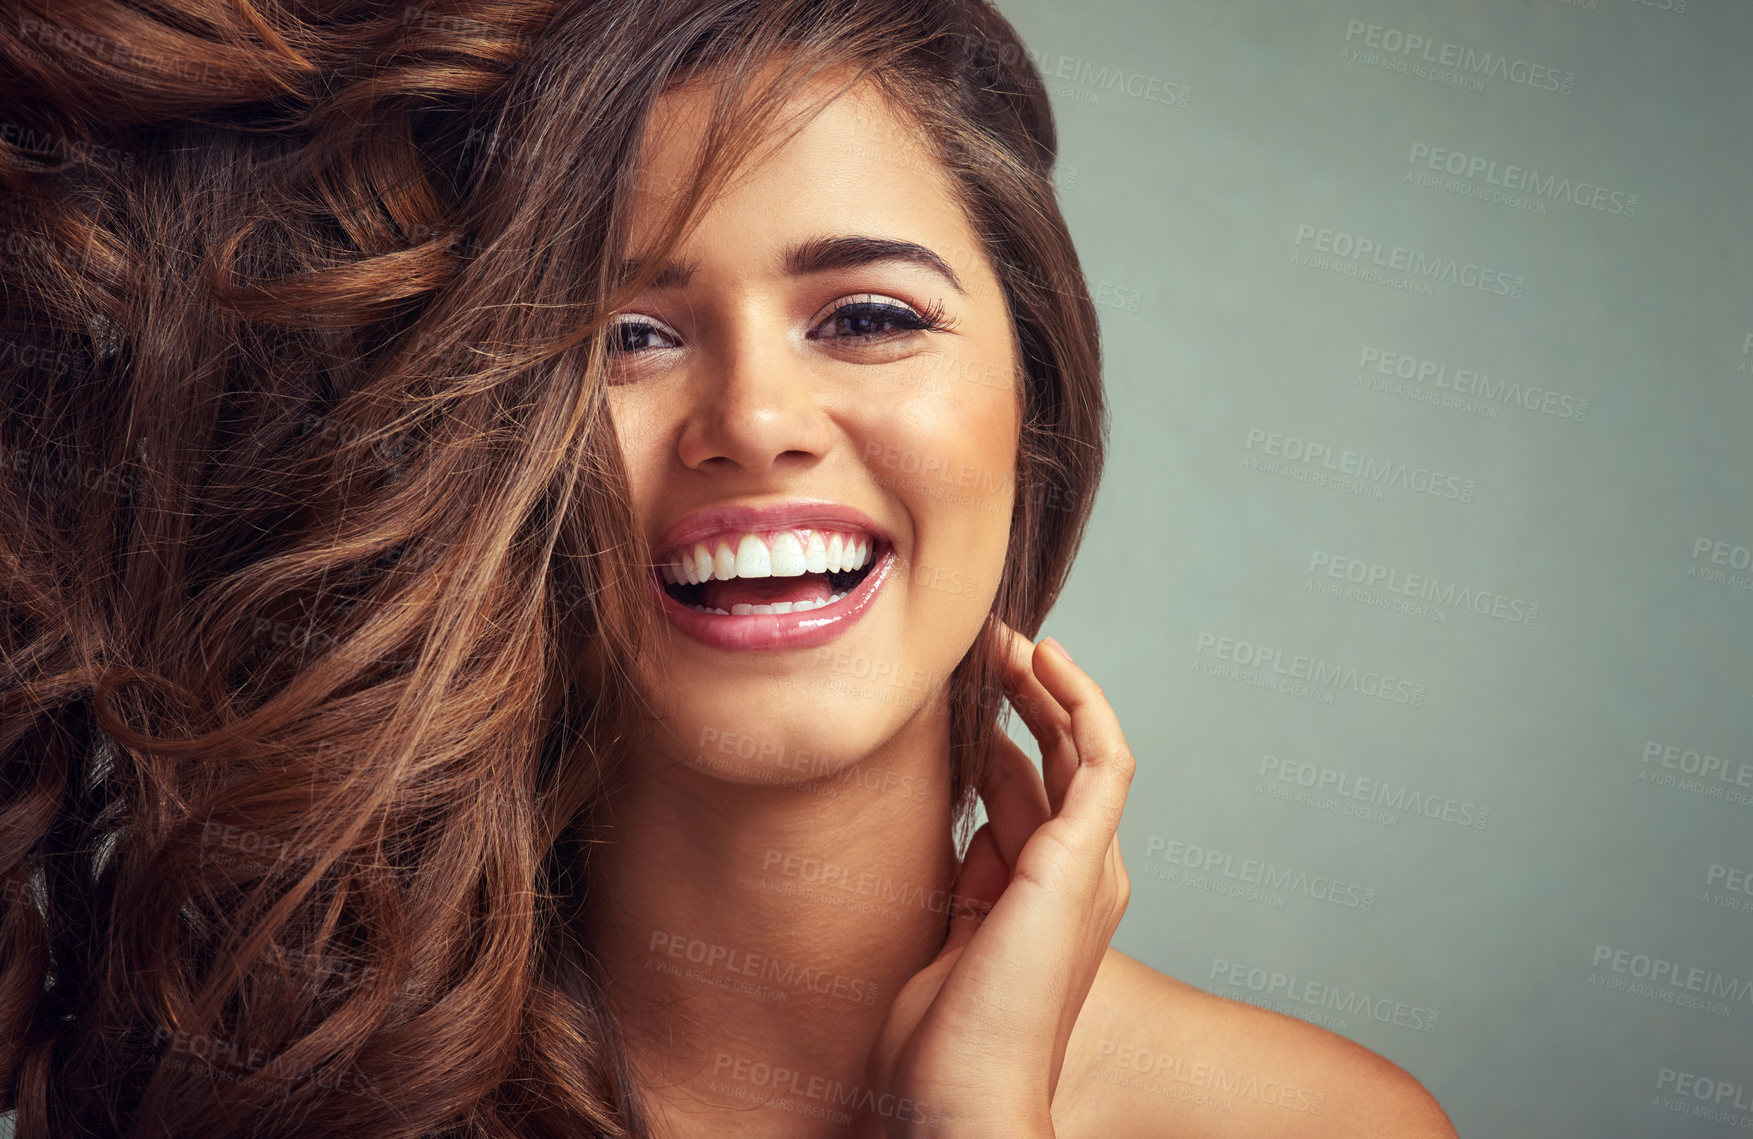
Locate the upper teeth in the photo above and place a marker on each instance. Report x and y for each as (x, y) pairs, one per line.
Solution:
(783, 553)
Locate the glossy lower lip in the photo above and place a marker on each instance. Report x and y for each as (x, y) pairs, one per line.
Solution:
(803, 630)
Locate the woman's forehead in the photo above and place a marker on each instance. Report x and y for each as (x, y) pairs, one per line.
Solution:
(854, 165)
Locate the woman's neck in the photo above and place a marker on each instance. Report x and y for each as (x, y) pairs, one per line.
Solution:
(753, 934)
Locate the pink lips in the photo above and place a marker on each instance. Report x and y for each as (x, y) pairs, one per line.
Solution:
(803, 630)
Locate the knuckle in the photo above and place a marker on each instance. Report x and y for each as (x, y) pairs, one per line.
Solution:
(1120, 762)
(1054, 853)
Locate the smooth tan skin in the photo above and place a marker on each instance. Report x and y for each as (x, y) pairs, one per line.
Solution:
(1011, 1025)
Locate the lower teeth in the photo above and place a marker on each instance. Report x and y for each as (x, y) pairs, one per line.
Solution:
(777, 607)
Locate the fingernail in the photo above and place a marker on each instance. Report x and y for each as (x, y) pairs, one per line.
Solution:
(1054, 644)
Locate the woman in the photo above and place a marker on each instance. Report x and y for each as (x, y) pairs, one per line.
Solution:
(513, 645)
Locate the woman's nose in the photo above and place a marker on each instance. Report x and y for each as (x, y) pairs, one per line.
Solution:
(756, 402)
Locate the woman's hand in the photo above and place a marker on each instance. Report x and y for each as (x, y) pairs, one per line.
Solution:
(976, 1039)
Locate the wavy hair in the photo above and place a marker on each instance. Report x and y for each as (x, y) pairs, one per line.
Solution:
(318, 575)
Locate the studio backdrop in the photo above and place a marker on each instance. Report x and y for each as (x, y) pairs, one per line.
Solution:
(1420, 577)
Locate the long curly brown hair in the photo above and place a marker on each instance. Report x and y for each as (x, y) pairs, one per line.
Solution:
(318, 577)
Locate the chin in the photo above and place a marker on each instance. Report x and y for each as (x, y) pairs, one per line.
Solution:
(763, 717)
(784, 729)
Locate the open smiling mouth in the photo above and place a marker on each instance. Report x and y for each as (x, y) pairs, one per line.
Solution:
(794, 570)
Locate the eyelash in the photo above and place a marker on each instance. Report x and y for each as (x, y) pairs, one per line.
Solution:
(910, 319)
(907, 318)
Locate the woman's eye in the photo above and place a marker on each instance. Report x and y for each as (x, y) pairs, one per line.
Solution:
(872, 320)
(632, 336)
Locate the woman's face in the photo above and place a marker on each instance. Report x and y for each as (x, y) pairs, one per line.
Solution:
(818, 412)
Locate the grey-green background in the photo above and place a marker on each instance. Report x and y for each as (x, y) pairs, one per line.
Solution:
(1205, 146)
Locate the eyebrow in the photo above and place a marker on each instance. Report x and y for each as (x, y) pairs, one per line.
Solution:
(821, 254)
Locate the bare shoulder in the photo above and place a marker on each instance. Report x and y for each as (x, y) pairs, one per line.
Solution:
(1152, 1057)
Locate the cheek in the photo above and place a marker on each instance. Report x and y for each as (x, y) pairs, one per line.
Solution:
(946, 441)
(638, 435)
(955, 471)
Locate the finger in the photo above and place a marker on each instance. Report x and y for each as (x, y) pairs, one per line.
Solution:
(979, 883)
(1046, 720)
(1122, 880)
(1015, 797)
(1097, 791)
(1048, 930)
(1040, 712)
(1059, 759)
(1045, 937)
